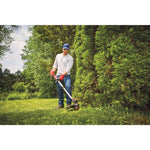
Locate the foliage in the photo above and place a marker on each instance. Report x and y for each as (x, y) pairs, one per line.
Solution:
(111, 64)
(85, 73)
(30, 88)
(19, 87)
(102, 62)
(18, 96)
(131, 71)
(3, 96)
(122, 64)
(5, 38)
(7, 80)
(44, 44)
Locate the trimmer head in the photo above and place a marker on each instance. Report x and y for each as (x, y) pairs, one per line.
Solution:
(74, 105)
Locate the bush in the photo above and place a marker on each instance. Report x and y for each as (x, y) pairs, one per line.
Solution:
(19, 87)
(18, 96)
(85, 74)
(35, 95)
(30, 88)
(122, 65)
(3, 96)
(14, 96)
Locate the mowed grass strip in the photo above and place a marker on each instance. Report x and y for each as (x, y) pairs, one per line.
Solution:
(41, 112)
(17, 106)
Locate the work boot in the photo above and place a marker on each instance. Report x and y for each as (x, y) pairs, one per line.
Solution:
(60, 106)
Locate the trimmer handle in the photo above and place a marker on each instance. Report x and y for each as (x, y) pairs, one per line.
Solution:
(75, 100)
(55, 77)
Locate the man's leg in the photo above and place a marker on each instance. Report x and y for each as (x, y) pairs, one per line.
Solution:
(67, 82)
(60, 94)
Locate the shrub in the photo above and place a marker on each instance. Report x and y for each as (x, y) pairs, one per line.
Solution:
(19, 87)
(35, 95)
(3, 96)
(85, 74)
(30, 88)
(18, 96)
(122, 65)
(14, 96)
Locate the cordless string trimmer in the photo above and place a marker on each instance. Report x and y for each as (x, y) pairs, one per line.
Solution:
(75, 104)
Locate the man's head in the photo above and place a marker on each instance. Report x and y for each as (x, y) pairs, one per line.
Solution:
(66, 46)
(65, 49)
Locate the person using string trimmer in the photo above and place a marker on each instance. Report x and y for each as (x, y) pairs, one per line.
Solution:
(63, 64)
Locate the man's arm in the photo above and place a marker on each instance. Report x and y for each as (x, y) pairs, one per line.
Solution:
(64, 73)
(54, 69)
(69, 65)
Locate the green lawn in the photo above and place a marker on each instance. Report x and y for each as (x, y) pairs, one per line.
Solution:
(41, 112)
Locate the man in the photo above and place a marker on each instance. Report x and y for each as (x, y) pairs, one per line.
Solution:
(63, 63)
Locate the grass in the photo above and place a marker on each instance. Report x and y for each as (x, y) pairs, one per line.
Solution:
(41, 112)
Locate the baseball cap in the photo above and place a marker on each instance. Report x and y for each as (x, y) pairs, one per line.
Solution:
(66, 46)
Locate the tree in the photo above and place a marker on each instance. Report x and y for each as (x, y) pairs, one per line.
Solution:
(19, 76)
(5, 38)
(85, 81)
(122, 64)
(19, 87)
(111, 63)
(1, 80)
(7, 80)
(43, 46)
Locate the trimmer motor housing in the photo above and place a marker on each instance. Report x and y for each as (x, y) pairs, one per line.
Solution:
(75, 106)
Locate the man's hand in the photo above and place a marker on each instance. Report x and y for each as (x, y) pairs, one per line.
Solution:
(51, 72)
(61, 77)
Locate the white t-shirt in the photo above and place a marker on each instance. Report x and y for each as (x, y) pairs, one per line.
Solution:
(63, 63)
